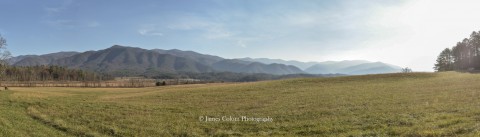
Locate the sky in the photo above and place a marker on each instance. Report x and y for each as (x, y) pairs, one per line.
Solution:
(407, 33)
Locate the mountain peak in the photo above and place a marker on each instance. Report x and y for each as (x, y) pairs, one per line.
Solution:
(119, 46)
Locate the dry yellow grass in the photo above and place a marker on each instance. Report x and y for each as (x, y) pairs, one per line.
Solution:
(415, 104)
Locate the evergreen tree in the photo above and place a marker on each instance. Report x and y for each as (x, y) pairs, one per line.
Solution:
(465, 56)
(444, 61)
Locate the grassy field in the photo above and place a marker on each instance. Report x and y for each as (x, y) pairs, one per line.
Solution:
(414, 104)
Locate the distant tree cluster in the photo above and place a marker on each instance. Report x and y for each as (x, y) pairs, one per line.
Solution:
(465, 56)
(48, 73)
(407, 70)
(216, 76)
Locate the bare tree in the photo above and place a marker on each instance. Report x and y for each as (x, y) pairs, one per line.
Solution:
(406, 70)
(4, 56)
(4, 53)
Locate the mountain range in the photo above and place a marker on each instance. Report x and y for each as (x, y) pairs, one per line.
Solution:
(349, 67)
(134, 61)
(32, 60)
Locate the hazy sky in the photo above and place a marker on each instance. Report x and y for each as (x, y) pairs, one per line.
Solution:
(407, 33)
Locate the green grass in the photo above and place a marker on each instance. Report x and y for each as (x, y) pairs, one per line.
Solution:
(414, 104)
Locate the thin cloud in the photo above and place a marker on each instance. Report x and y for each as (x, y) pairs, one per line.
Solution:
(149, 30)
(241, 43)
(210, 29)
(217, 33)
(149, 33)
(61, 23)
(70, 24)
(54, 17)
(52, 11)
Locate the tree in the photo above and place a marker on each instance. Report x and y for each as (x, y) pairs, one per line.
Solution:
(406, 70)
(4, 54)
(466, 55)
(444, 61)
(474, 43)
(461, 56)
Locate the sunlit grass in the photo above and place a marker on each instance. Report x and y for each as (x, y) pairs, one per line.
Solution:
(414, 104)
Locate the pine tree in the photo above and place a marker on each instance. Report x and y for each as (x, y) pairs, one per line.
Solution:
(444, 61)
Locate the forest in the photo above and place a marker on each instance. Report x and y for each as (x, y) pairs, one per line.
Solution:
(464, 56)
(47, 73)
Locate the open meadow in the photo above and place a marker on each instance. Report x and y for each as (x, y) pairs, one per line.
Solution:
(408, 104)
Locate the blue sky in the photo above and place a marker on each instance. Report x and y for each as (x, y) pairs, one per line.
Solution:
(304, 30)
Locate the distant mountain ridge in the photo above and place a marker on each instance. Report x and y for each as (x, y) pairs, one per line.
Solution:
(120, 58)
(125, 60)
(301, 65)
(33, 60)
(136, 61)
(350, 67)
(202, 58)
(241, 66)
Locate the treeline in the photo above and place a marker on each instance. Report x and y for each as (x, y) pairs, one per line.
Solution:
(465, 56)
(58, 73)
(233, 77)
(47, 73)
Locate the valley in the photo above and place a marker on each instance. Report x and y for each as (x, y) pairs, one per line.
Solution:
(403, 104)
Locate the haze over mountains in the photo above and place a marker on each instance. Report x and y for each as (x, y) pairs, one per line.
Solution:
(131, 60)
(350, 67)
